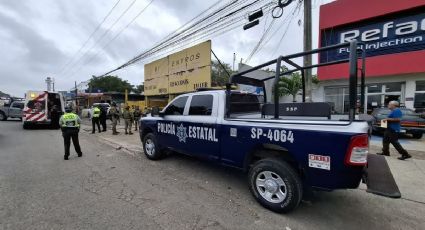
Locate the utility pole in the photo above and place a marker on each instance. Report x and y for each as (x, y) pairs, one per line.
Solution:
(76, 100)
(234, 60)
(307, 47)
(48, 82)
(53, 84)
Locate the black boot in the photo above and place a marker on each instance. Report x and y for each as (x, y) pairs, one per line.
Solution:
(404, 157)
(65, 158)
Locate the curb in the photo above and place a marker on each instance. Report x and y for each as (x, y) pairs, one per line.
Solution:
(133, 150)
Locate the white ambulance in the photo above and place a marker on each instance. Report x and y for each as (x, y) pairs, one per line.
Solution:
(42, 107)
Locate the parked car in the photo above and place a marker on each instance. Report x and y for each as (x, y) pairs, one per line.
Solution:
(13, 110)
(421, 112)
(411, 122)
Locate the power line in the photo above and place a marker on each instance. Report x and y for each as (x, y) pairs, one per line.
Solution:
(116, 36)
(182, 27)
(105, 33)
(265, 33)
(185, 34)
(90, 36)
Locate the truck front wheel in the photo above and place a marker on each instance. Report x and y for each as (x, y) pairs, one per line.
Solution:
(150, 147)
(275, 185)
(3, 116)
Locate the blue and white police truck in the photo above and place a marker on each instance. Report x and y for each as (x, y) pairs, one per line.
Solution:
(286, 148)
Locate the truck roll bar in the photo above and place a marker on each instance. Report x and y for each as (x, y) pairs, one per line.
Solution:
(354, 47)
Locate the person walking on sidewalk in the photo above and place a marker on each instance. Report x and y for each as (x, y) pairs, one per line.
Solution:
(128, 119)
(115, 115)
(137, 114)
(392, 132)
(95, 119)
(70, 126)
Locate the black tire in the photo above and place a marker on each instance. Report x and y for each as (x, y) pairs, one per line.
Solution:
(417, 135)
(151, 148)
(3, 116)
(291, 184)
(26, 126)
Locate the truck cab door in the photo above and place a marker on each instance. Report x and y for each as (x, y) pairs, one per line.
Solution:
(167, 128)
(15, 109)
(199, 127)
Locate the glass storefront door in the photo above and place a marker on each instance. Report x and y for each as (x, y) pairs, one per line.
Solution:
(376, 96)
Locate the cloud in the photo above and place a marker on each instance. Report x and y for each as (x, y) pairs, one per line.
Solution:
(39, 37)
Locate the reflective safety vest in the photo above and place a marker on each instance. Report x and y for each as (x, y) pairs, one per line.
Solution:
(70, 120)
(96, 112)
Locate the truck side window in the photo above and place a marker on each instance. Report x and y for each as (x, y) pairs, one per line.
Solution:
(18, 105)
(177, 107)
(201, 105)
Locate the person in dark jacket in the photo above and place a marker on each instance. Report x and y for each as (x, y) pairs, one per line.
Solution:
(102, 117)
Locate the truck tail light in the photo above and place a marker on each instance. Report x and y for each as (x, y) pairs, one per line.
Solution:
(357, 151)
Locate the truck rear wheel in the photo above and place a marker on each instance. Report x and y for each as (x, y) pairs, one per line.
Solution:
(275, 185)
(150, 147)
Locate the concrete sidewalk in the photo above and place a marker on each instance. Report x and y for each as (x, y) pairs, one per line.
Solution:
(130, 143)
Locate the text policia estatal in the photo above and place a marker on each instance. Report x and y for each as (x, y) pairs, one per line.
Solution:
(194, 132)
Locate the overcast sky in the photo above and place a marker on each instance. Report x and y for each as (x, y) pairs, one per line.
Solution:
(39, 37)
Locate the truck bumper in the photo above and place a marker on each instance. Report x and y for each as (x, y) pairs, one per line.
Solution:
(378, 177)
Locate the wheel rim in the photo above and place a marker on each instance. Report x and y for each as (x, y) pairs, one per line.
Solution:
(150, 147)
(1, 116)
(271, 186)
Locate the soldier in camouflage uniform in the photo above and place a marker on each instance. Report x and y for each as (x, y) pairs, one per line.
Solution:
(137, 114)
(115, 115)
(128, 119)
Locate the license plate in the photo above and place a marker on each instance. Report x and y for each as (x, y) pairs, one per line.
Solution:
(403, 131)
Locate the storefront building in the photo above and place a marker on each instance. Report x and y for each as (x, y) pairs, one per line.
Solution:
(394, 35)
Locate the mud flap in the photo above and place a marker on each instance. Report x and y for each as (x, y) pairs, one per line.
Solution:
(379, 179)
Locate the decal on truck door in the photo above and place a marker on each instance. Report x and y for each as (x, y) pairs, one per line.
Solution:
(190, 131)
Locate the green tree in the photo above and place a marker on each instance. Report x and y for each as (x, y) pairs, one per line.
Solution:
(139, 89)
(219, 76)
(290, 85)
(109, 84)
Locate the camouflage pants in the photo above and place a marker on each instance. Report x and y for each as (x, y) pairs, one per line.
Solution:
(114, 124)
(128, 124)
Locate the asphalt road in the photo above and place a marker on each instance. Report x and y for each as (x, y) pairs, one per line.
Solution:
(109, 189)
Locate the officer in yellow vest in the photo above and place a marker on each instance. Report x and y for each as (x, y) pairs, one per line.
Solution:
(70, 126)
(95, 120)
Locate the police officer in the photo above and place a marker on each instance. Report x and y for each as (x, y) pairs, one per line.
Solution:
(115, 115)
(128, 119)
(137, 114)
(95, 119)
(70, 126)
(392, 131)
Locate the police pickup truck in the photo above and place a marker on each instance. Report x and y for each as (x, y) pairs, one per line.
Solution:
(286, 148)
